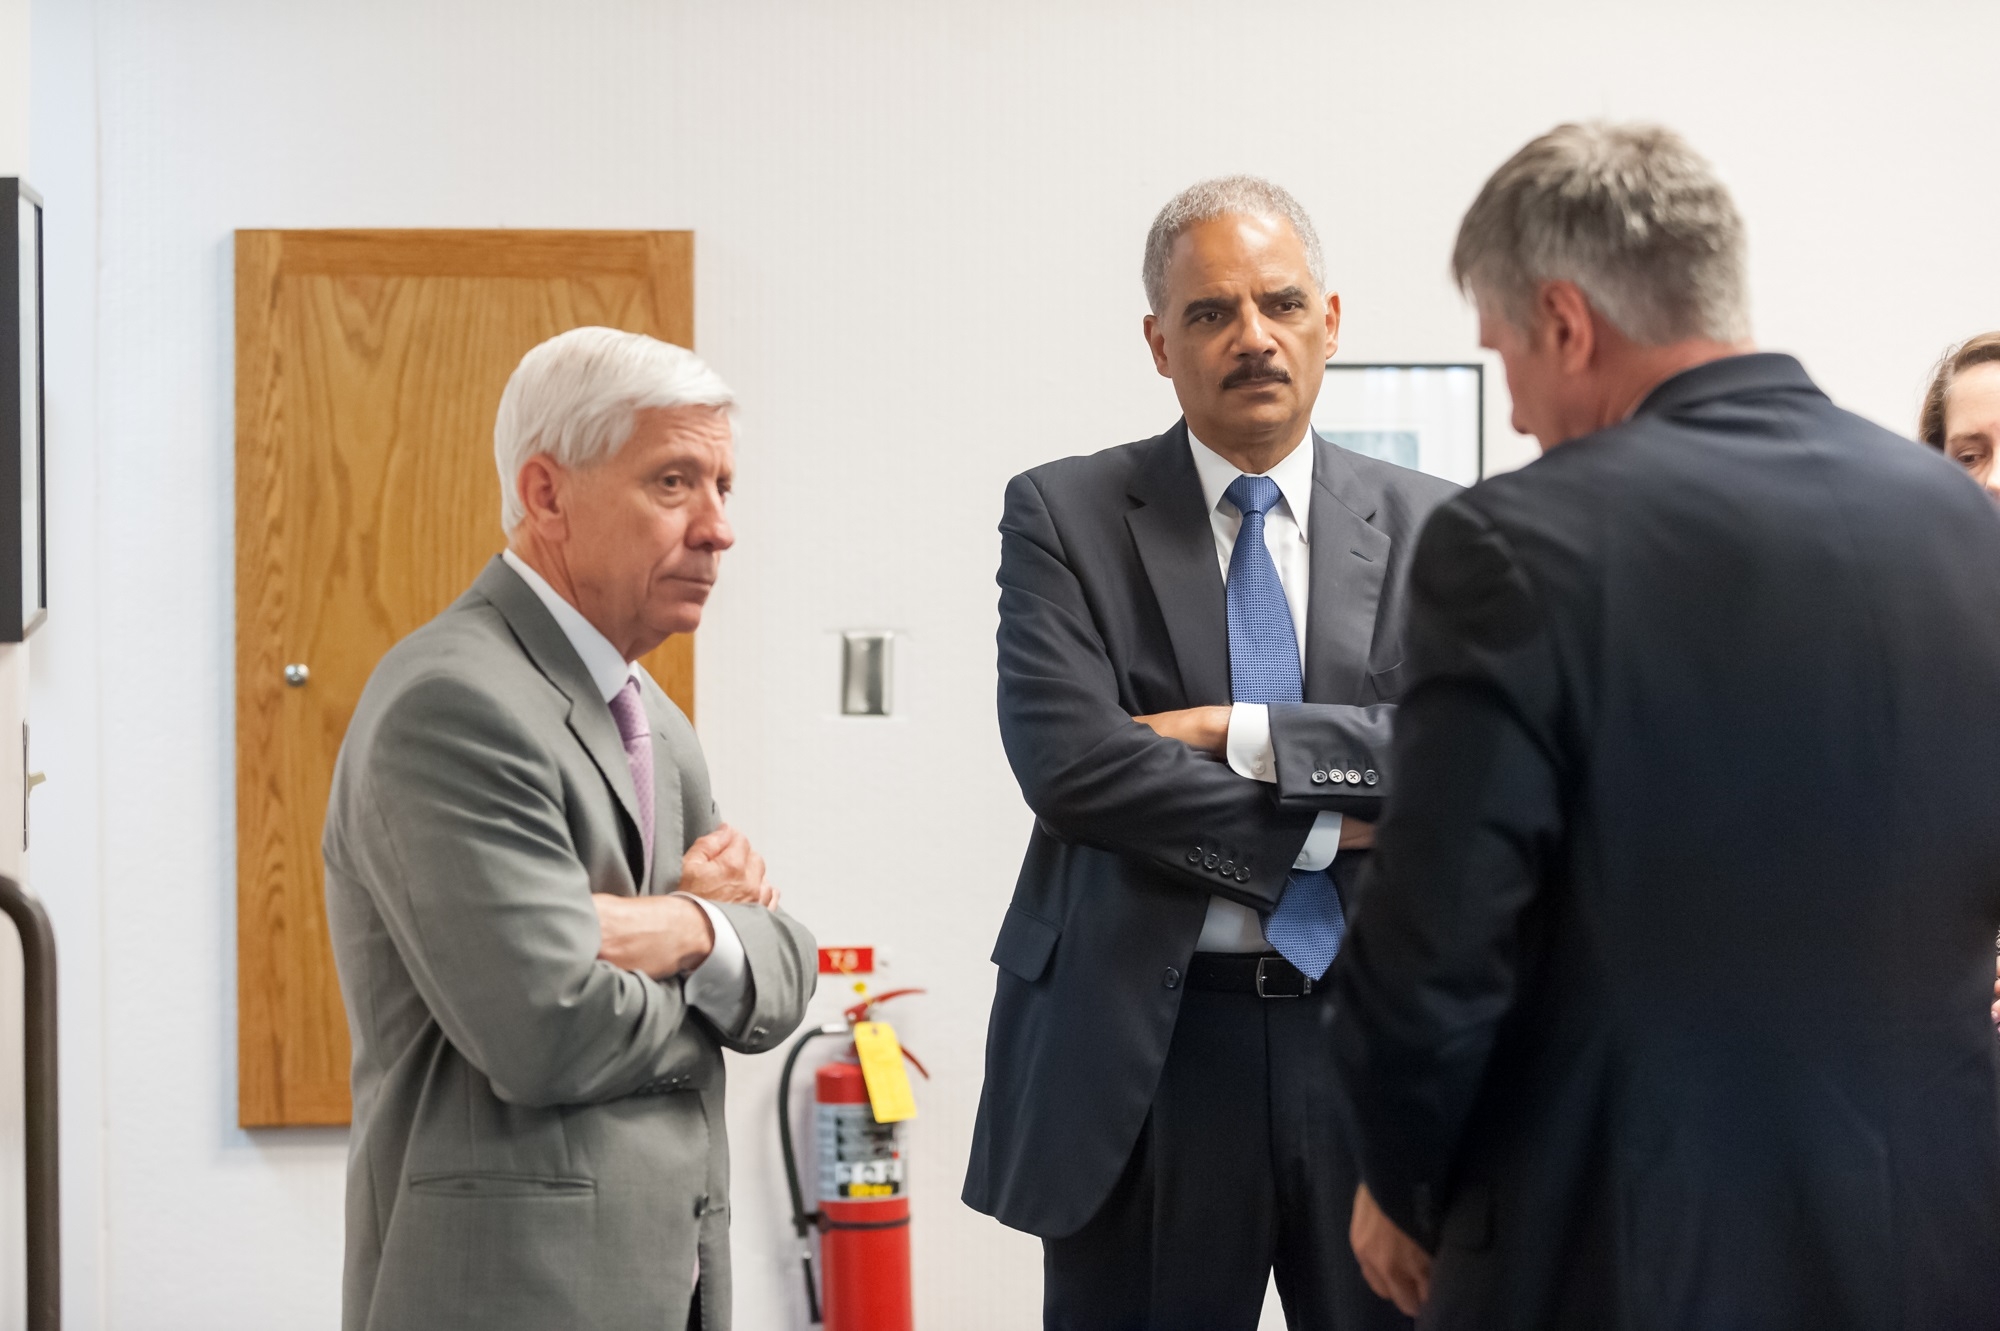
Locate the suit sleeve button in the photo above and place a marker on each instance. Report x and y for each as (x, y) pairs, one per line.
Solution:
(1228, 869)
(1353, 777)
(1319, 777)
(1172, 979)
(1243, 875)
(1210, 860)
(1369, 778)
(1194, 856)
(1336, 776)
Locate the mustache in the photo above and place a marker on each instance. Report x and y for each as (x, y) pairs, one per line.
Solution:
(1257, 372)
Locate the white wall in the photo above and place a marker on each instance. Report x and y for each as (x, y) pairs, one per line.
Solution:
(14, 64)
(918, 233)
(66, 692)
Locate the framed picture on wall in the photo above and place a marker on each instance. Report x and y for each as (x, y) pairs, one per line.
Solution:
(24, 574)
(1431, 418)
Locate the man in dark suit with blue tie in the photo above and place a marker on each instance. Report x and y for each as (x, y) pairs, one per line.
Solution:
(1200, 650)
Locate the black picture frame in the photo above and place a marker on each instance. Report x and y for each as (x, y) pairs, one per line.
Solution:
(24, 539)
(1445, 400)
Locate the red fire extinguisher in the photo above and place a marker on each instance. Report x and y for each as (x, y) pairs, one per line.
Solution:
(863, 1214)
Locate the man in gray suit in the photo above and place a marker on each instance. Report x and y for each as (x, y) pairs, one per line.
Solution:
(545, 939)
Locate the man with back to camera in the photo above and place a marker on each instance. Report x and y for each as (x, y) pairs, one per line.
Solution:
(1200, 649)
(1668, 1005)
(545, 939)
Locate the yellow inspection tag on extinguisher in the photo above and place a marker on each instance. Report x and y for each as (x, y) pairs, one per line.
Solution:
(882, 1068)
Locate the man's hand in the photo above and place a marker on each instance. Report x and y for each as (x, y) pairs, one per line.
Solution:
(1355, 834)
(1202, 728)
(656, 936)
(1391, 1261)
(722, 867)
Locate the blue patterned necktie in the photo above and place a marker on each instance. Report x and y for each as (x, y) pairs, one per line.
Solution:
(1264, 667)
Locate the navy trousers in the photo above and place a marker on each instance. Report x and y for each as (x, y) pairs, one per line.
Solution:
(1240, 1170)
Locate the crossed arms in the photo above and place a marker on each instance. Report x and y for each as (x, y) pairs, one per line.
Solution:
(1148, 787)
(464, 844)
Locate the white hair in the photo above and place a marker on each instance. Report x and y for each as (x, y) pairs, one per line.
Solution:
(577, 396)
(1629, 213)
(1225, 196)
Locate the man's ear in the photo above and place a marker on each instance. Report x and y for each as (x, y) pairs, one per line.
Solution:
(1156, 342)
(1332, 324)
(540, 490)
(1566, 324)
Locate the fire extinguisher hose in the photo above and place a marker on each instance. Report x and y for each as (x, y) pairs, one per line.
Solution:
(803, 1221)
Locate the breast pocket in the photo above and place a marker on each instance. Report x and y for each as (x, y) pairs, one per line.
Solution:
(1026, 943)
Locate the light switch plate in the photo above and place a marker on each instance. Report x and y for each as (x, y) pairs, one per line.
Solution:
(867, 669)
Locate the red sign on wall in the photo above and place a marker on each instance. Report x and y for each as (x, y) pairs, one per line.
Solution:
(847, 961)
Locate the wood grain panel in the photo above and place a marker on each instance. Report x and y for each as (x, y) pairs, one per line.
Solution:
(369, 365)
(559, 256)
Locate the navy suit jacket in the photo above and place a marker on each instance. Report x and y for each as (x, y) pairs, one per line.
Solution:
(1667, 1004)
(1112, 606)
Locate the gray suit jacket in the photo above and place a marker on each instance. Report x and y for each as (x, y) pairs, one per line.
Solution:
(1112, 606)
(538, 1136)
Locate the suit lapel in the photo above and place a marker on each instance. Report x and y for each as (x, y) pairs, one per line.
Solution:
(591, 722)
(590, 719)
(1176, 545)
(669, 832)
(1349, 558)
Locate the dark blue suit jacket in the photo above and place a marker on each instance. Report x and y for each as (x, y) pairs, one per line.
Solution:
(1111, 606)
(1667, 1004)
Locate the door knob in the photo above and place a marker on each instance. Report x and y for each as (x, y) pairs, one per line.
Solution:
(297, 675)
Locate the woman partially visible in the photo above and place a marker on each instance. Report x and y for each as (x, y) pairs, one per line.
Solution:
(1961, 414)
(1961, 417)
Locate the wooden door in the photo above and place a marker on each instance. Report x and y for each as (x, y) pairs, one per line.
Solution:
(369, 365)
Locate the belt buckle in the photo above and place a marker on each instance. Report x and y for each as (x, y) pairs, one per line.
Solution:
(1305, 980)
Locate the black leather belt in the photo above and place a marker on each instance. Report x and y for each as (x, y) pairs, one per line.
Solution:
(1267, 975)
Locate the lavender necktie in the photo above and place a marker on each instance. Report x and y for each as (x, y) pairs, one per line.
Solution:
(630, 714)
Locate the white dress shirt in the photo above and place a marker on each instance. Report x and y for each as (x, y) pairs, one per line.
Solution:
(1231, 926)
(718, 985)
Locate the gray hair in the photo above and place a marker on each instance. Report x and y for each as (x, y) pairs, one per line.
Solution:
(1629, 213)
(1222, 197)
(577, 396)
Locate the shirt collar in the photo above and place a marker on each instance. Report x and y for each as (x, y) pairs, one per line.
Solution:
(607, 665)
(1293, 475)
